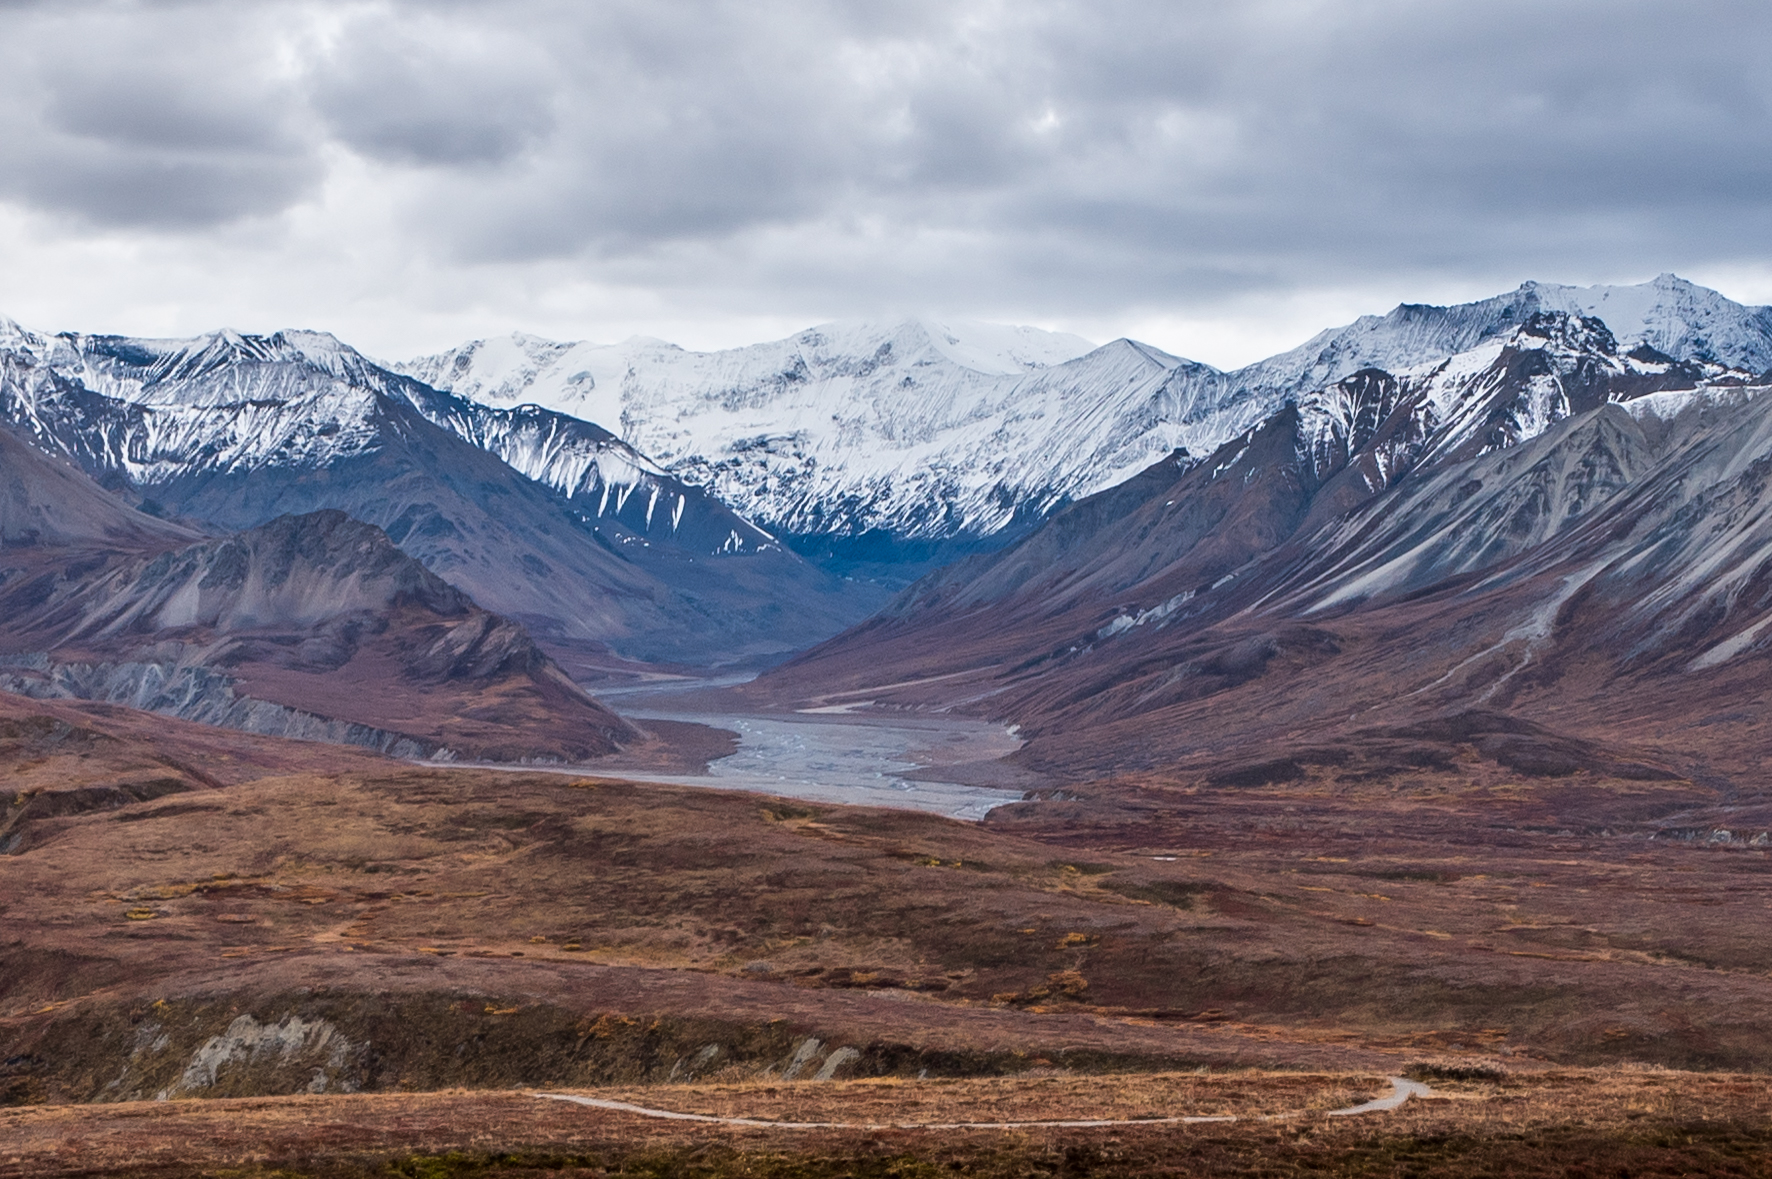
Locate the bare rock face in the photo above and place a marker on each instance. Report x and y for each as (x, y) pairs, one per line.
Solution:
(45, 502)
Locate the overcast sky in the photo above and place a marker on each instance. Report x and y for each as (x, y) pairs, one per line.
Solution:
(1220, 178)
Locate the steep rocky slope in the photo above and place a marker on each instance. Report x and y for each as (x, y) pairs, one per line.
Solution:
(44, 502)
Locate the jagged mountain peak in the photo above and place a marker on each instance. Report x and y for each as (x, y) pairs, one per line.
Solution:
(1151, 354)
(1673, 316)
(1569, 339)
(1676, 317)
(180, 355)
(1505, 390)
(216, 368)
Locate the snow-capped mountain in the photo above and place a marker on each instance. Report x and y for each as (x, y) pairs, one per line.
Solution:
(1672, 316)
(1504, 391)
(492, 463)
(1321, 454)
(923, 430)
(540, 516)
(919, 430)
(301, 400)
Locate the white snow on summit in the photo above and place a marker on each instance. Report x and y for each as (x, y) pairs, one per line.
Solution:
(921, 428)
(577, 378)
(1673, 316)
(179, 406)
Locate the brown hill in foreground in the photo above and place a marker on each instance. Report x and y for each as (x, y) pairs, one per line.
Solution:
(311, 626)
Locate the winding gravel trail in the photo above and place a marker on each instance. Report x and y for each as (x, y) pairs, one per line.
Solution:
(1401, 1091)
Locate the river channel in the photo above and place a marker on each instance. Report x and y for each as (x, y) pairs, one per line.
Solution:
(858, 759)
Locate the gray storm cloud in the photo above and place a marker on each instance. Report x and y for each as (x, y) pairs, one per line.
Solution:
(1082, 155)
(175, 116)
(423, 90)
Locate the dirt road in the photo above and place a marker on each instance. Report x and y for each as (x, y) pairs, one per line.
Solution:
(1401, 1091)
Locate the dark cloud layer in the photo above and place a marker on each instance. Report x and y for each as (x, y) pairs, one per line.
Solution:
(1083, 156)
(170, 115)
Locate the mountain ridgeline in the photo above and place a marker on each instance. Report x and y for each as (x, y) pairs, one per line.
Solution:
(947, 438)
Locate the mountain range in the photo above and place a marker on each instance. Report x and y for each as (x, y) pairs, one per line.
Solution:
(1398, 704)
(920, 441)
(1137, 532)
